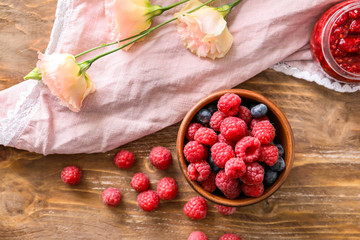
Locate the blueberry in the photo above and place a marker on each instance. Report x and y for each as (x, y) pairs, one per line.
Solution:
(269, 177)
(212, 108)
(281, 149)
(213, 166)
(259, 110)
(279, 165)
(203, 116)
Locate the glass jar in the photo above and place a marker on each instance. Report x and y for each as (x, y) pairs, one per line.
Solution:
(335, 42)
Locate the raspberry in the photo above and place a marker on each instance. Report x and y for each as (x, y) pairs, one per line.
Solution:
(206, 136)
(197, 235)
(221, 153)
(167, 188)
(124, 159)
(148, 200)
(140, 182)
(269, 154)
(264, 131)
(253, 190)
(230, 236)
(199, 171)
(71, 175)
(216, 120)
(160, 157)
(195, 152)
(196, 208)
(248, 149)
(111, 197)
(254, 174)
(209, 184)
(190, 132)
(257, 120)
(230, 187)
(222, 139)
(233, 128)
(229, 104)
(225, 210)
(245, 114)
(235, 167)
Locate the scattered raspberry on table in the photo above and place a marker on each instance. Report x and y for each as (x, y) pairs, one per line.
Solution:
(167, 188)
(111, 197)
(197, 235)
(160, 157)
(124, 159)
(140, 182)
(71, 175)
(148, 200)
(224, 210)
(230, 236)
(196, 208)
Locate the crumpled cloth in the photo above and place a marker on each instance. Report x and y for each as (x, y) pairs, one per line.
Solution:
(156, 82)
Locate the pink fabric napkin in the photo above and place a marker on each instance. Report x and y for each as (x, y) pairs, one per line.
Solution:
(154, 84)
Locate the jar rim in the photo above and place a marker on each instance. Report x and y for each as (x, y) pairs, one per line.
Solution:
(325, 47)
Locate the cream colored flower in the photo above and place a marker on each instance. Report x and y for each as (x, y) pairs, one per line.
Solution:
(127, 18)
(60, 72)
(204, 31)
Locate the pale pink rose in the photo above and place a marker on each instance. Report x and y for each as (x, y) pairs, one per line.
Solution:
(60, 73)
(204, 32)
(127, 18)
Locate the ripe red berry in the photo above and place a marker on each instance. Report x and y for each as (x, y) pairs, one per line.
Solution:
(71, 175)
(269, 154)
(254, 121)
(253, 190)
(148, 200)
(190, 132)
(245, 114)
(124, 159)
(225, 210)
(229, 104)
(111, 197)
(221, 153)
(199, 171)
(233, 128)
(230, 187)
(196, 208)
(195, 152)
(160, 157)
(216, 120)
(230, 236)
(206, 136)
(140, 182)
(167, 188)
(264, 131)
(197, 235)
(254, 174)
(235, 168)
(248, 149)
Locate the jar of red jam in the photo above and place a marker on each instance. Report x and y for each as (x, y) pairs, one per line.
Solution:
(335, 42)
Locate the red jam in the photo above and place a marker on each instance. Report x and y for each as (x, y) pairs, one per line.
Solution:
(335, 42)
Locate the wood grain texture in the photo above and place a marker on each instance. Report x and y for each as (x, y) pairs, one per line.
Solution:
(319, 200)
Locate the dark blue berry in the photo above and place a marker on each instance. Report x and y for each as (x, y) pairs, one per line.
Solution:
(213, 166)
(281, 149)
(203, 116)
(259, 110)
(279, 165)
(269, 177)
(212, 108)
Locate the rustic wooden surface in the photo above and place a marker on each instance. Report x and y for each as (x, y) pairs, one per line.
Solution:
(319, 200)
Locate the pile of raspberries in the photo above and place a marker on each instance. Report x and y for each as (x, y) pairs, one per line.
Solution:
(230, 147)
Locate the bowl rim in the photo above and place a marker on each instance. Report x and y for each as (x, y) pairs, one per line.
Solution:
(252, 96)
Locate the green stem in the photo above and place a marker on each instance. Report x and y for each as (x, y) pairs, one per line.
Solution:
(173, 5)
(161, 10)
(89, 62)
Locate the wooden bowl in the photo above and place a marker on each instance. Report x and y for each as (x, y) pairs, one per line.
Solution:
(284, 135)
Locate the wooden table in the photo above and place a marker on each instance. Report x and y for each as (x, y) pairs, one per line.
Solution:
(319, 200)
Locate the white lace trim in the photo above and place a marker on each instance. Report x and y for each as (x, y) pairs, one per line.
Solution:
(318, 78)
(13, 126)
